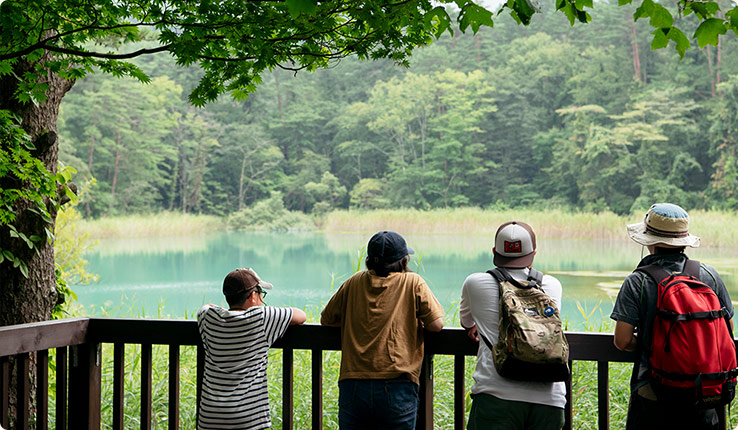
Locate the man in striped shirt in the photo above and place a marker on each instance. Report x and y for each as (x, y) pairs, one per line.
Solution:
(236, 342)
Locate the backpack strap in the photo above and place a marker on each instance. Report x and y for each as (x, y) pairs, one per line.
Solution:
(657, 273)
(692, 267)
(535, 278)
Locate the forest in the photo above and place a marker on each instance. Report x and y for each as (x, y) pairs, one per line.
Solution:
(583, 117)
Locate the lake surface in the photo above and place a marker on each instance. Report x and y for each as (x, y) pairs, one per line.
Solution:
(173, 277)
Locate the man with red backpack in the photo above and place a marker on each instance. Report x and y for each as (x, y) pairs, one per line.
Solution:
(677, 314)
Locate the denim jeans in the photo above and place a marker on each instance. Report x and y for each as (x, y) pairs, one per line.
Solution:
(377, 404)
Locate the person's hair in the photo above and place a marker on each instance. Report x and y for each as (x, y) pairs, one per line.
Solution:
(665, 250)
(240, 298)
(383, 269)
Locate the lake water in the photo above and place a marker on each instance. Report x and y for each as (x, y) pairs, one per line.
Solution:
(173, 277)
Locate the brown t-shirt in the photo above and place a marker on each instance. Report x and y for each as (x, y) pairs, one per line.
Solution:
(380, 334)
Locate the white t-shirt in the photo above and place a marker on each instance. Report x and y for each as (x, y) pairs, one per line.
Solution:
(480, 306)
(234, 389)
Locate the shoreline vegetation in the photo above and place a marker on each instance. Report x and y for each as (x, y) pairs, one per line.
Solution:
(716, 228)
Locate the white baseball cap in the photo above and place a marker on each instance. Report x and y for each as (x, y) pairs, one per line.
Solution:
(515, 245)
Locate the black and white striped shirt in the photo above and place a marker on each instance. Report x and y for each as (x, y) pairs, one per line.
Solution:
(234, 391)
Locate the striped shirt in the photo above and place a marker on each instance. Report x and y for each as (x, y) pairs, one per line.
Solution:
(234, 390)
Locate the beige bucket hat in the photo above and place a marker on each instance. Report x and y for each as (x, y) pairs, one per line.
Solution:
(664, 224)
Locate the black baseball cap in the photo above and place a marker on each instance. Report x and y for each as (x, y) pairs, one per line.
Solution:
(388, 247)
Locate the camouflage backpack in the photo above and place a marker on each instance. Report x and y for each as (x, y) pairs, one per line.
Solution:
(531, 345)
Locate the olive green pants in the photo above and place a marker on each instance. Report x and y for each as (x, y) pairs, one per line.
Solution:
(490, 412)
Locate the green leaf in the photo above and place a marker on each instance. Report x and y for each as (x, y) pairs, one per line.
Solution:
(476, 16)
(660, 40)
(9, 255)
(682, 43)
(36, 238)
(702, 9)
(298, 7)
(24, 269)
(6, 68)
(624, 2)
(644, 10)
(660, 17)
(732, 16)
(709, 31)
(439, 18)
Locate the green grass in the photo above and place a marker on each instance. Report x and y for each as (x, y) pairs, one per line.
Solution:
(165, 224)
(716, 228)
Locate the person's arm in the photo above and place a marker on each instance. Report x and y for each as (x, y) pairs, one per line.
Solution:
(298, 317)
(625, 338)
(465, 316)
(435, 325)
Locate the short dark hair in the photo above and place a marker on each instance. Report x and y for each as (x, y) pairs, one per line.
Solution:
(384, 269)
(240, 297)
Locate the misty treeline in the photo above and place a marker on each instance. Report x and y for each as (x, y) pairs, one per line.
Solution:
(584, 117)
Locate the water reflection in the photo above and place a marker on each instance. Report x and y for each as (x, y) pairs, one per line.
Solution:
(175, 276)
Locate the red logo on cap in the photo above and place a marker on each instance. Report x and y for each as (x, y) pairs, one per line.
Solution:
(512, 247)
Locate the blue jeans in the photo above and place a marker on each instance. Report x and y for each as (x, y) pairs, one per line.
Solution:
(377, 404)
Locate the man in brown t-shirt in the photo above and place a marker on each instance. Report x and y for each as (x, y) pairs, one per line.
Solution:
(381, 312)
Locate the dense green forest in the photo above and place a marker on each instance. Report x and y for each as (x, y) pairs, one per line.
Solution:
(584, 117)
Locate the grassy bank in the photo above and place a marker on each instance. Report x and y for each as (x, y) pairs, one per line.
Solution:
(716, 228)
(165, 224)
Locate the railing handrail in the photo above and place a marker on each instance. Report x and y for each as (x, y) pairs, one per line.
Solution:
(31, 337)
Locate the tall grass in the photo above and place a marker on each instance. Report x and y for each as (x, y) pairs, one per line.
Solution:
(716, 228)
(164, 224)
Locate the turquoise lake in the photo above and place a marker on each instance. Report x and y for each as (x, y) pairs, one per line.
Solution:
(173, 277)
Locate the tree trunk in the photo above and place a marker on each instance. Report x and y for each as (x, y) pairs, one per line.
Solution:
(30, 299)
(89, 167)
(637, 73)
(710, 70)
(115, 174)
(240, 182)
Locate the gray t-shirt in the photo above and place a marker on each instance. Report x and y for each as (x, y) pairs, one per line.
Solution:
(636, 303)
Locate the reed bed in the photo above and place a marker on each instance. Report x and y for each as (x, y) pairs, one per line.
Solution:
(164, 224)
(716, 228)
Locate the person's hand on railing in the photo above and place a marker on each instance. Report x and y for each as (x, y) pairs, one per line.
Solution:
(472, 333)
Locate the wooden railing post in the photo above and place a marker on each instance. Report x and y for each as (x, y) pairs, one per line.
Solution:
(61, 388)
(317, 389)
(146, 393)
(459, 391)
(23, 390)
(603, 395)
(173, 387)
(84, 387)
(4, 391)
(425, 407)
(42, 390)
(287, 388)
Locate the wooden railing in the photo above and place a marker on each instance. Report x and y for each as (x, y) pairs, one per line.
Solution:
(77, 343)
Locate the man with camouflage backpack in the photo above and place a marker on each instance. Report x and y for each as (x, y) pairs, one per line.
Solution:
(676, 313)
(509, 402)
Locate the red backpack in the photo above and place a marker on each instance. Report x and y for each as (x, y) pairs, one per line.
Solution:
(692, 356)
